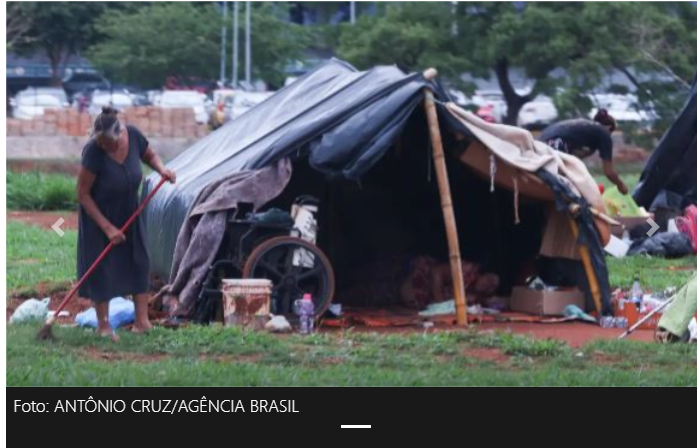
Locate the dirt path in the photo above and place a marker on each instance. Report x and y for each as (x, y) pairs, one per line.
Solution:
(575, 334)
(45, 219)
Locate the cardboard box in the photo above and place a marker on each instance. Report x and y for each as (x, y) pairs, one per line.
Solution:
(545, 303)
(633, 315)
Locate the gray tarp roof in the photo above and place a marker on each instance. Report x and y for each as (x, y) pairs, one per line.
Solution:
(344, 118)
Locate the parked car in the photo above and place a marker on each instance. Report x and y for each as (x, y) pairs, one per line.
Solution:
(172, 99)
(117, 100)
(58, 92)
(137, 94)
(84, 82)
(154, 97)
(241, 102)
(622, 108)
(27, 107)
(180, 83)
(538, 113)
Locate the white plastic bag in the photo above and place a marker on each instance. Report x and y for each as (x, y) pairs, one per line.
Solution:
(31, 309)
(278, 324)
(121, 312)
(693, 330)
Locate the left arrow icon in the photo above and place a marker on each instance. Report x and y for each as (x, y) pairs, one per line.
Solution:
(57, 226)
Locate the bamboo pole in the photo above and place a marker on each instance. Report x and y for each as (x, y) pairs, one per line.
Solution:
(584, 252)
(446, 203)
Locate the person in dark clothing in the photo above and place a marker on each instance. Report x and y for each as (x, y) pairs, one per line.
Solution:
(582, 138)
(107, 189)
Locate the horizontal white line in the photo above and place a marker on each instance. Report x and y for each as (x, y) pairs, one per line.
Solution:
(356, 426)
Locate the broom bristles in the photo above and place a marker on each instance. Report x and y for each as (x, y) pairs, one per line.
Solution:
(46, 332)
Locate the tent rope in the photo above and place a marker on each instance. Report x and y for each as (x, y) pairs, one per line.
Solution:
(493, 169)
(516, 199)
(432, 98)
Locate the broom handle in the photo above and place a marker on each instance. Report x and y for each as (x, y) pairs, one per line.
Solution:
(647, 317)
(108, 248)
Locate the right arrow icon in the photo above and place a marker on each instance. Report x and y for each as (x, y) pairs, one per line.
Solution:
(654, 227)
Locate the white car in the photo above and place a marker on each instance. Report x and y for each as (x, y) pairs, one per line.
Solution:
(621, 108)
(174, 99)
(26, 107)
(117, 100)
(540, 111)
(241, 102)
(58, 92)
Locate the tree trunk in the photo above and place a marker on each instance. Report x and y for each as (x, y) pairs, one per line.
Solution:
(514, 102)
(54, 56)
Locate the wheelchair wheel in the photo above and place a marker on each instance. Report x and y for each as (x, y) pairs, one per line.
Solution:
(277, 260)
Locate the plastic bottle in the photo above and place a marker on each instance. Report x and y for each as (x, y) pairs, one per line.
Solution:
(637, 295)
(305, 309)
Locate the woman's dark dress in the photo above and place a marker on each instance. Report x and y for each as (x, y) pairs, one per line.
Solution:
(125, 269)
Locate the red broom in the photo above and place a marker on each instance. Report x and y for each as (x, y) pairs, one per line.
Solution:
(46, 333)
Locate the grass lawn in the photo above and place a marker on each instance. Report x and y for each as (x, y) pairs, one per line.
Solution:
(207, 356)
(38, 256)
(224, 356)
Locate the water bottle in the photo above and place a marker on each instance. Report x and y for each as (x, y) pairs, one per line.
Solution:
(305, 309)
(637, 295)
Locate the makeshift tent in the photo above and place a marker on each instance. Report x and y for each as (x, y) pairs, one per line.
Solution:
(341, 133)
(669, 180)
(676, 319)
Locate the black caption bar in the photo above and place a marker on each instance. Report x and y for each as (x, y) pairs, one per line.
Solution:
(278, 411)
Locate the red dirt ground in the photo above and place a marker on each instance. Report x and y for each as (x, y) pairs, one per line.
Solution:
(486, 354)
(573, 333)
(45, 219)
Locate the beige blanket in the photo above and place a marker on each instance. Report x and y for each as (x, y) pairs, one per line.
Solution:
(517, 147)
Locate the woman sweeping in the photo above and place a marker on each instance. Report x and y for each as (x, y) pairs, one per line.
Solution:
(107, 188)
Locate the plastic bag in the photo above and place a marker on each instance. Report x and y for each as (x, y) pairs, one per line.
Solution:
(31, 309)
(669, 245)
(618, 204)
(121, 312)
(278, 324)
(575, 312)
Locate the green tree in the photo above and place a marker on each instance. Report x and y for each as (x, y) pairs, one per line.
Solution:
(653, 43)
(656, 49)
(275, 42)
(149, 44)
(17, 26)
(414, 36)
(61, 29)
